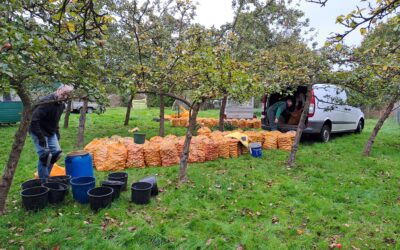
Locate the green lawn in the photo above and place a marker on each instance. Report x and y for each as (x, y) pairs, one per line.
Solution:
(334, 193)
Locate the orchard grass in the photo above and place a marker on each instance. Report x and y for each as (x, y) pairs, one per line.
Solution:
(333, 193)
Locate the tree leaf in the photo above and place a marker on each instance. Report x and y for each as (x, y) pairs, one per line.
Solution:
(363, 31)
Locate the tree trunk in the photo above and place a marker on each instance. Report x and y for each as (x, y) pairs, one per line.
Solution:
(128, 110)
(16, 149)
(162, 109)
(82, 121)
(300, 127)
(189, 134)
(67, 113)
(378, 126)
(222, 113)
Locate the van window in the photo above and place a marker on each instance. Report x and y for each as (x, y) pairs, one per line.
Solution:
(331, 95)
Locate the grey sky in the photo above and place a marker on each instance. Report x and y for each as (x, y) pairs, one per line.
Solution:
(218, 12)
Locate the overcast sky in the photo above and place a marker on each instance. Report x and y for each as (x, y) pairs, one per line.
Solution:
(218, 12)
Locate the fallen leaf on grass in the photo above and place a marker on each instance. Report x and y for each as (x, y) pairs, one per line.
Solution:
(47, 230)
(390, 241)
(346, 225)
(209, 241)
(131, 229)
(300, 231)
(275, 220)
(56, 247)
(240, 247)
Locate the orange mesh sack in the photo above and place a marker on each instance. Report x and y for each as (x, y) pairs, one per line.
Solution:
(249, 123)
(252, 136)
(175, 122)
(216, 133)
(157, 139)
(196, 151)
(260, 137)
(271, 140)
(242, 123)
(234, 147)
(257, 123)
(200, 121)
(179, 143)
(168, 153)
(183, 122)
(92, 147)
(210, 149)
(111, 156)
(152, 155)
(135, 154)
(117, 155)
(223, 148)
(286, 140)
(170, 138)
(214, 122)
(204, 131)
(100, 156)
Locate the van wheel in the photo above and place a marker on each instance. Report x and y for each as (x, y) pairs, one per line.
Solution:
(360, 127)
(90, 110)
(325, 134)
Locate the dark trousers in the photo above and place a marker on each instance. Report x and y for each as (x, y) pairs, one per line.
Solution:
(271, 120)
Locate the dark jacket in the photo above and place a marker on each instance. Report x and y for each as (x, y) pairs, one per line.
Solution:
(277, 108)
(46, 117)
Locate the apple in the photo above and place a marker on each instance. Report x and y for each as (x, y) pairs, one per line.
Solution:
(338, 246)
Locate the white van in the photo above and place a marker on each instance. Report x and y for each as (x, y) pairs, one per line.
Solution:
(328, 112)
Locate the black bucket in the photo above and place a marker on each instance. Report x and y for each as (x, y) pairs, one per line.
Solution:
(141, 192)
(115, 185)
(65, 179)
(32, 183)
(100, 197)
(153, 181)
(57, 192)
(119, 176)
(35, 198)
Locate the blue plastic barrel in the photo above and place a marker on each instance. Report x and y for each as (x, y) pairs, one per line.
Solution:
(79, 163)
(255, 149)
(80, 186)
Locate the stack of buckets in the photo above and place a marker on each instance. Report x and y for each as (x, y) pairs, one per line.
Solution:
(79, 166)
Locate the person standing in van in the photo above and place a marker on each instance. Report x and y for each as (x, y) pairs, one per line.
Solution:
(274, 112)
(44, 128)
